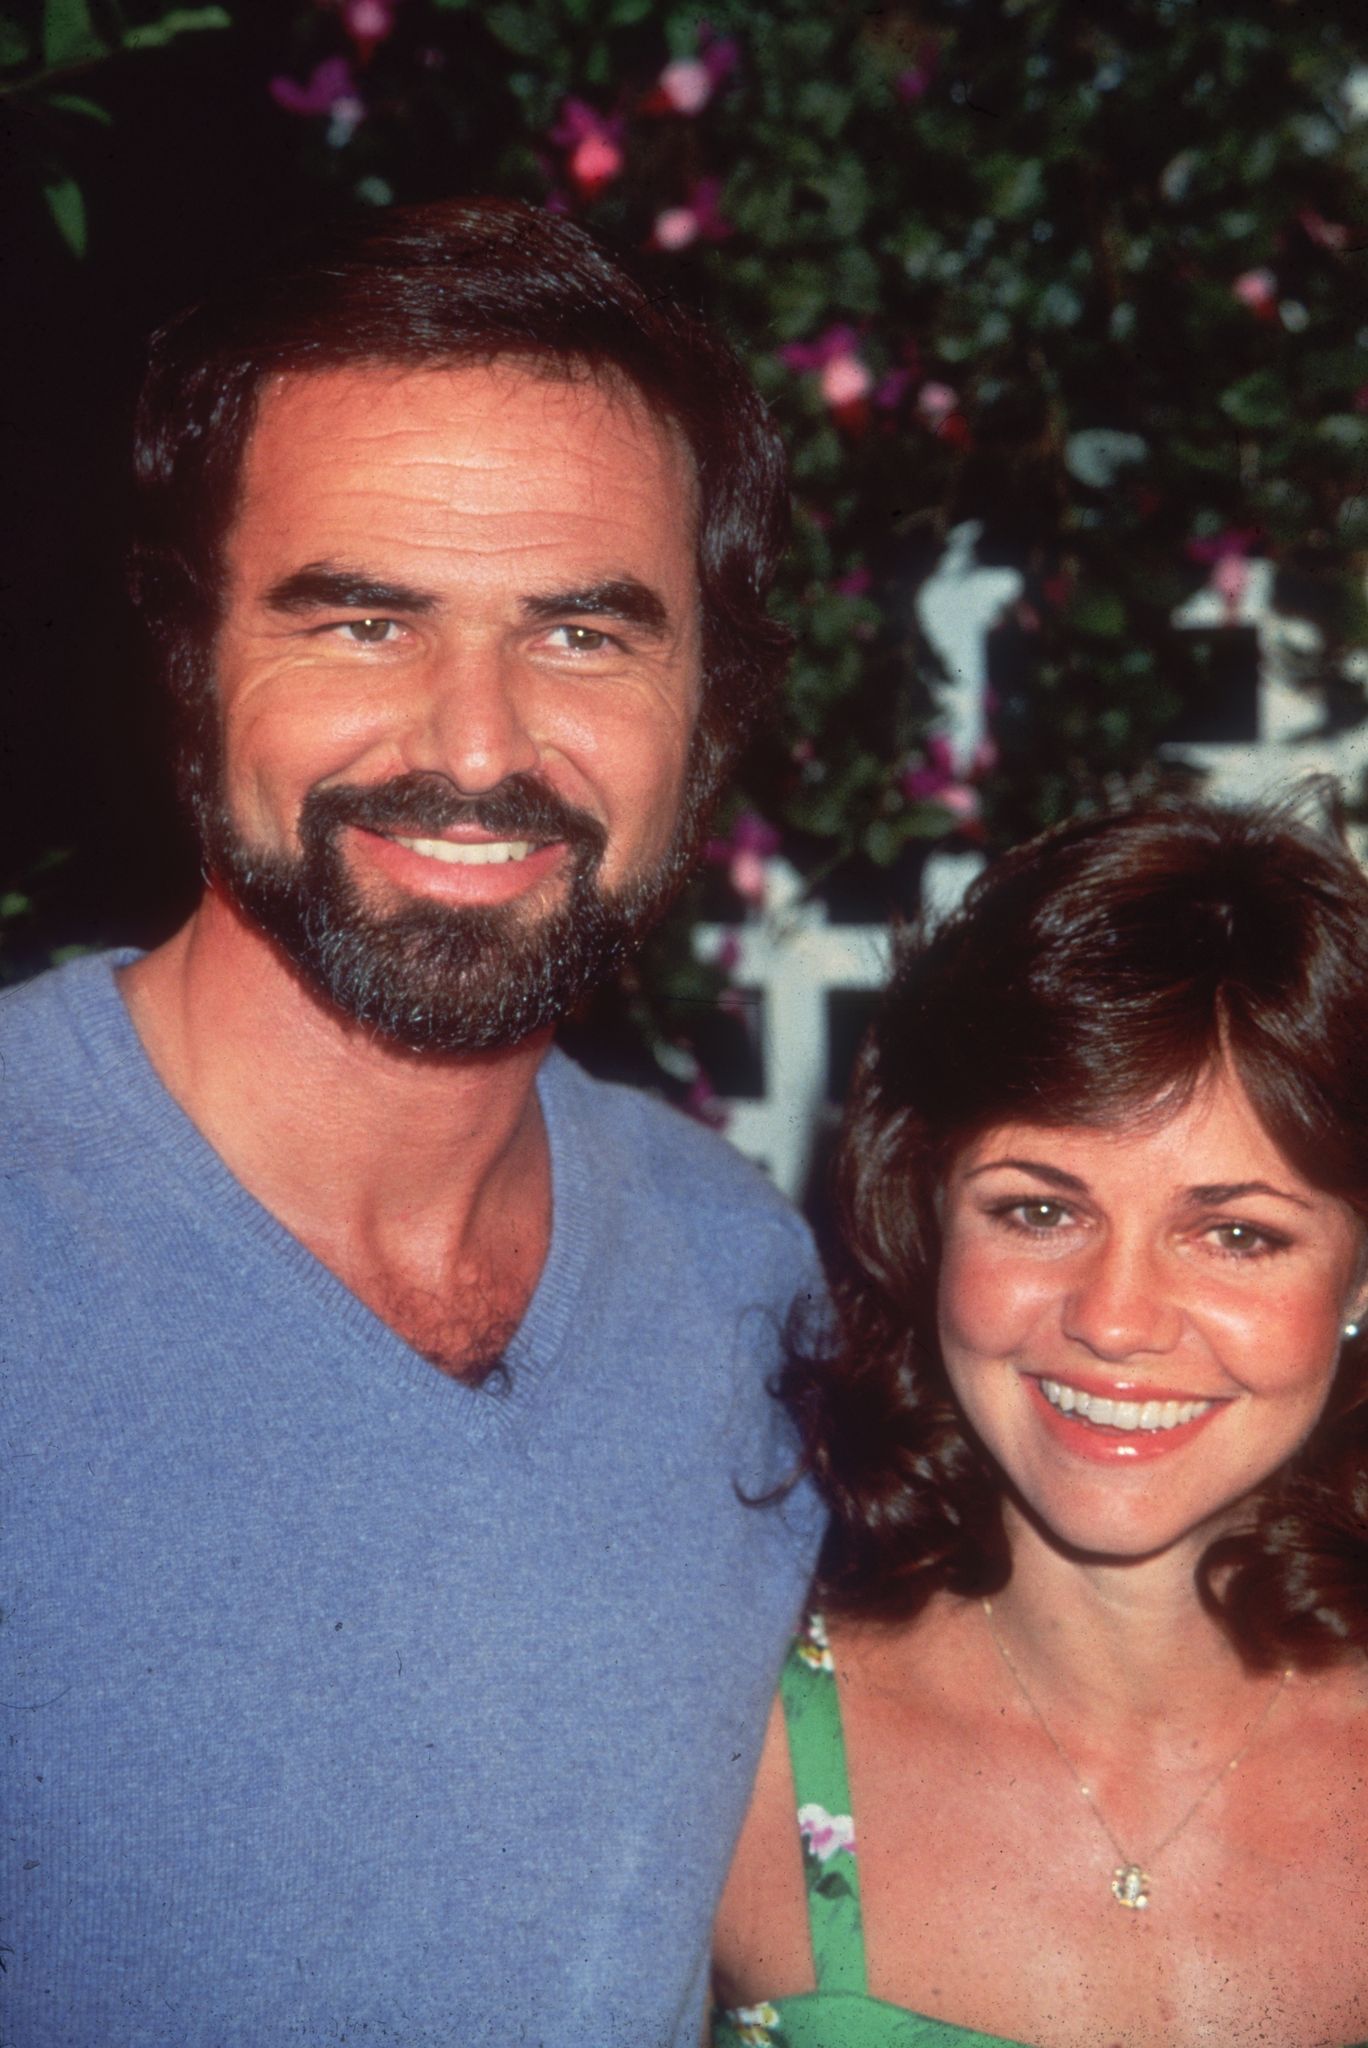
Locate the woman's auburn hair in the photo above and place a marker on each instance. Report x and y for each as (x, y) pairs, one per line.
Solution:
(1094, 976)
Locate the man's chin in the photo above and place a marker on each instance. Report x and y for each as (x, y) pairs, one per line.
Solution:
(432, 975)
(431, 978)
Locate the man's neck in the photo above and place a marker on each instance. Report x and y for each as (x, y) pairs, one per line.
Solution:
(427, 1171)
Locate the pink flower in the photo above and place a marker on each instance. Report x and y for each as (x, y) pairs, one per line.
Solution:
(1258, 289)
(1327, 234)
(844, 376)
(675, 228)
(744, 852)
(368, 22)
(702, 1102)
(1230, 579)
(687, 85)
(1226, 555)
(595, 162)
(935, 402)
(936, 780)
(592, 142)
(855, 583)
(845, 380)
(701, 217)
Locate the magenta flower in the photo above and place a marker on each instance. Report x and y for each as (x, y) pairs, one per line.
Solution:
(855, 583)
(592, 143)
(329, 89)
(891, 389)
(815, 355)
(698, 220)
(913, 83)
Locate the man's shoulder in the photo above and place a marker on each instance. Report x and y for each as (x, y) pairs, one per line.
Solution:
(658, 1152)
(63, 1037)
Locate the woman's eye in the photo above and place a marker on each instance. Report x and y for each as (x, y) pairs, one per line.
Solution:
(1244, 1240)
(1037, 1214)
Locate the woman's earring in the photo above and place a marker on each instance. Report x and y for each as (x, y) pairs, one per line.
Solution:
(1351, 1329)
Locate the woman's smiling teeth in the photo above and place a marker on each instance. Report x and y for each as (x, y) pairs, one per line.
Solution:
(1105, 1413)
(468, 853)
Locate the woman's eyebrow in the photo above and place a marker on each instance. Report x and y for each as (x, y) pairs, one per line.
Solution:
(1215, 1194)
(1055, 1175)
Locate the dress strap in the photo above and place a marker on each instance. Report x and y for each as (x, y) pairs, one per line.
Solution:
(812, 1717)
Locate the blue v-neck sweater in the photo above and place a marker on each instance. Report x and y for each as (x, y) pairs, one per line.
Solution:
(342, 1702)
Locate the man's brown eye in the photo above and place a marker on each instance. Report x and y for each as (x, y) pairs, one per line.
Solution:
(370, 632)
(583, 639)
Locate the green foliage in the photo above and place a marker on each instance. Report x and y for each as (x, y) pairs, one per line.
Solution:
(1097, 270)
(67, 205)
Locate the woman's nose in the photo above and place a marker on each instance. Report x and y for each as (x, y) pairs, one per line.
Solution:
(1122, 1304)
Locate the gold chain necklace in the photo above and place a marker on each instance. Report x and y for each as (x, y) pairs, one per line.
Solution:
(1130, 1885)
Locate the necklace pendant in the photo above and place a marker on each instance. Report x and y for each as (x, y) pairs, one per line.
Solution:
(1130, 1886)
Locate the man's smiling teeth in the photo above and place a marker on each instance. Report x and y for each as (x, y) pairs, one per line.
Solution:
(1101, 1410)
(468, 853)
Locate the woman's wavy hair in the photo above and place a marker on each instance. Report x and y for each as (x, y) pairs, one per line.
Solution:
(1092, 975)
(458, 281)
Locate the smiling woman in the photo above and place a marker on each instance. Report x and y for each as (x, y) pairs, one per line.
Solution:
(1095, 1441)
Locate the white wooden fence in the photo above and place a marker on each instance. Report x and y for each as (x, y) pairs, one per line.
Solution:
(791, 959)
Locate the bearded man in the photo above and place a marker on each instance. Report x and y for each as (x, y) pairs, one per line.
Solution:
(391, 1628)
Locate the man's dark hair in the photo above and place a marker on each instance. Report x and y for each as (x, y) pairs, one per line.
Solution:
(460, 281)
(1095, 976)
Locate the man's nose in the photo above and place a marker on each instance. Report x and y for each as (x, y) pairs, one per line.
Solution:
(1123, 1302)
(474, 724)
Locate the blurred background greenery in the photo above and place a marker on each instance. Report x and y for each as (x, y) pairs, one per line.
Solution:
(1092, 276)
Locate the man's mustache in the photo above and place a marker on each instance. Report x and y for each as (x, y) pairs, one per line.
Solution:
(519, 807)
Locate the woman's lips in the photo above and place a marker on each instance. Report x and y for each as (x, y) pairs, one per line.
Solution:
(1128, 1426)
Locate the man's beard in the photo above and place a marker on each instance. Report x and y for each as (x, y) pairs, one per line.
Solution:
(436, 977)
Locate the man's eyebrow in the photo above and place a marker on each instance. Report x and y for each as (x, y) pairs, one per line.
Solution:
(621, 597)
(1054, 1175)
(318, 585)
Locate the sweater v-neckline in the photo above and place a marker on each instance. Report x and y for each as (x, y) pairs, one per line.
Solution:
(150, 1114)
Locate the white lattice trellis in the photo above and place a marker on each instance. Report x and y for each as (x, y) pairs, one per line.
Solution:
(793, 958)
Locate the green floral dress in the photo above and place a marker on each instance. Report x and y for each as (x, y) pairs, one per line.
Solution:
(840, 2013)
